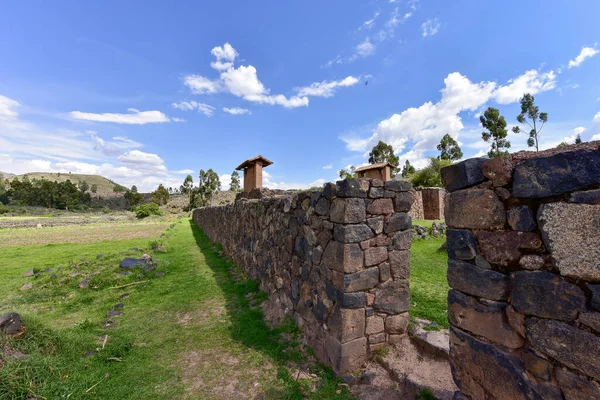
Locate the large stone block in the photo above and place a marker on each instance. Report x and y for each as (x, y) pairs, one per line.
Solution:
(381, 207)
(462, 244)
(400, 264)
(521, 218)
(575, 348)
(352, 188)
(397, 222)
(392, 297)
(347, 324)
(588, 196)
(403, 201)
(476, 281)
(376, 223)
(504, 247)
(463, 174)
(342, 257)
(398, 186)
(475, 209)
(375, 255)
(352, 233)
(348, 211)
(546, 295)
(575, 387)
(572, 234)
(397, 324)
(361, 281)
(557, 174)
(590, 319)
(402, 240)
(374, 325)
(344, 357)
(483, 319)
(498, 170)
(354, 300)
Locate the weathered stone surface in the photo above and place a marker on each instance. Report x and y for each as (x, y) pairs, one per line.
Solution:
(354, 300)
(462, 244)
(10, 323)
(463, 174)
(571, 233)
(352, 233)
(26, 286)
(376, 223)
(475, 281)
(363, 280)
(547, 295)
(576, 387)
(129, 263)
(375, 255)
(568, 345)
(343, 257)
(352, 188)
(397, 222)
(392, 298)
(401, 240)
(347, 324)
(557, 174)
(381, 207)
(479, 367)
(498, 170)
(398, 186)
(481, 262)
(347, 211)
(532, 262)
(403, 201)
(537, 365)
(322, 207)
(376, 338)
(375, 192)
(503, 247)
(484, 319)
(29, 273)
(588, 196)
(400, 264)
(376, 183)
(516, 320)
(397, 324)
(475, 209)
(347, 356)
(374, 325)
(521, 218)
(590, 319)
(595, 289)
(384, 272)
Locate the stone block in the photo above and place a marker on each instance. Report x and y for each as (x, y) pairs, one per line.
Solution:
(571, 233)
(352, 233)
(344, 357)
(375, 339)
(403, 201)
(397, 222)
(375, 255)
(342, 257)
(384, 272)
(402, 240)
(347, 324)
(590, 319)
(476, 281)
(462, 244)
(381, 241)
(532, 262)
(546, 295)
(588, 196)
(595, 302)
(556, 174)
(322, 207)
(376, 224)
(400, 264)
(498, 170)
(393, 297)
(398, 186)
(376, 183)
(504, 247)
(463, 174)
(361, 281)
(521, 218)
(329, 190)
(381, 207)
(348, 211)
(576, 387)
(566, 344)
(354, 300)
(352, 188)
(539, 366)
(487, 319)
(374, 325)
(375, 192)
(475, 209)
(397, 324)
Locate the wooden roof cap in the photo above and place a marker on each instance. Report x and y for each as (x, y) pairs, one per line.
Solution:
(375, 166)
(253, 160)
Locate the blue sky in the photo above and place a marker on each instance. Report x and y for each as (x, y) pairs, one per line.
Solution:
(145, 92)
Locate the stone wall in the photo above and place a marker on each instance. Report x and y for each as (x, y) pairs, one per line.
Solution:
(433, 202)
(524, 268)
(416, 210)
(336, 260)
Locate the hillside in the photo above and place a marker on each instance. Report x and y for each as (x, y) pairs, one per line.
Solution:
(105, 186)
(6, 175)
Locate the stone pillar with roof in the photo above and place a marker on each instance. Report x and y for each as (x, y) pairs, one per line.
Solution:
(252, 168)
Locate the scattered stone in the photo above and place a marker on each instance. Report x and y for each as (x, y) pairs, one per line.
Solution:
(460, 208)
(476, 281)
(99, 256)
(503, 247)
(159, 274)
(124, 295)
(575, 246)
(463, 174)
(10, 323)
(349, 379)
(113, 313)
(48, 270)
(589, 197)
(367, 377)
(148, 258)
(148, 268)
(29, 273)
(26, 286)
(521, 218)
(462, 244)
(128, 262)
(89, 353)
(15, 354)
(498, 170)
(398, 222)
(84, 283)
(118, 306)
(575, 387)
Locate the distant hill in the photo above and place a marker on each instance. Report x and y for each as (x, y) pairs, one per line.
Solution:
(6, 175)
(105, 186)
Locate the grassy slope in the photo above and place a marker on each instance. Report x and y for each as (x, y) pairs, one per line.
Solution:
(105, 187)
(189, 334)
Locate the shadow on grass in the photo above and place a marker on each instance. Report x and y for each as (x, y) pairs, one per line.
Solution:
(249, 329)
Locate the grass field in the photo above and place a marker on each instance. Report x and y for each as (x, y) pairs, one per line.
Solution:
(192, 333)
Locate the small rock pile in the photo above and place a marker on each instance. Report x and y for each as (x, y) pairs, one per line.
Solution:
(437, 229)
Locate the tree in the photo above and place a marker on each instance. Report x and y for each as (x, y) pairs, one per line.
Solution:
(161, 195)
(449, 149)
(94, 188)
(496, 132)
(83, 186)
(531, 115)
(430, 176)
(383, 152)
(234, 186)
(408, 169)
(347, 173)
(3, 190)
(133, 197)
(578, 139)
(187, 188)
(208, 185)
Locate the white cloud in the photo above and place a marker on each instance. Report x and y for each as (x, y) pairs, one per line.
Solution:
(225, 55)
(430, 27)
(184, 171)
(531, 81)
(236, 110)
(139, 157)
(204, 108)
(578, 131)
(135, 117)
(328, 166)
(175, 119)
(368, 24)
(586, 52)
(8, 108)
(364, 48)
(201, 85)
(597, 117)
(326, 88)
(389, 28)
(269, 183)
(114, 147)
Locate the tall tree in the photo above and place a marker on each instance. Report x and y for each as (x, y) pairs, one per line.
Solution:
(578, 139)
(94, 188)
(531, 115)
(161, 195)
(187, 188)
(208, 185)
(234, 186)
(133, 197)
(408, 169)
(347, 173)
(383, 152)
(83, 186)
(496, 132)
(449, 149)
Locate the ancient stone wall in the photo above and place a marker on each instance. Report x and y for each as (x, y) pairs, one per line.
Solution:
(336, 260)
(416, 210)
(433, 202)
(524, 268)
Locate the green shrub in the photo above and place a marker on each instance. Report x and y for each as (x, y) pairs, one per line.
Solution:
(146, 210)
(106, 210)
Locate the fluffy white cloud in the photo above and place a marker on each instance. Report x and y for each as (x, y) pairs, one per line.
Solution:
(135, 117)
(114, 147)
(225, 56)
(8, 108)
(201, 85)
(532, 81)
(430, 27)
(326, 88)
(597, 117)
(586, 52)
(328, 166)
(363, 49)
(236, 110)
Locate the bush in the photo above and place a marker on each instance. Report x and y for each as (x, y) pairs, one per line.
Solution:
(146, 210)
(106, 210)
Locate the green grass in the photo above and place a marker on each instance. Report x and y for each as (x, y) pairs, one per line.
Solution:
(426, 222)
(193, 333)
(428, 284)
